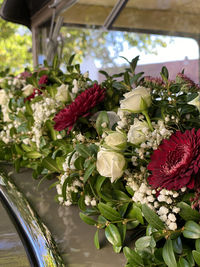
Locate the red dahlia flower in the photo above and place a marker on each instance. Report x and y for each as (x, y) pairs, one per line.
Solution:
(79, 108)
(176, 162)
(43, 80)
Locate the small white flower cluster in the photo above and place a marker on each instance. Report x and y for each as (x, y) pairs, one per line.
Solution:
(164, 205)
(78, 137)
(5, 134)
(90, 201)
(66, 165)
(73, 188)
(153, 140)
(124, 120)
(42, 110)
(145, 195)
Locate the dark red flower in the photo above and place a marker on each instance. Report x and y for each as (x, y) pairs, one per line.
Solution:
(35, 91)
(88, 99)
(43, 80)
(176, 162)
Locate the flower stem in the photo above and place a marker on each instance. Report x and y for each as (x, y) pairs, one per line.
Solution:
(145, 113)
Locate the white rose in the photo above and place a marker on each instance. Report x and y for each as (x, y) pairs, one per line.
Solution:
(3, 97)
(196, 102)
(138, 100)
(28, 90)
(63, 94)
(137, 132)
(110, 164)
(116, 140)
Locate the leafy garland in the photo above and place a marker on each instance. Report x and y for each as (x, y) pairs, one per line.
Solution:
(129, 158)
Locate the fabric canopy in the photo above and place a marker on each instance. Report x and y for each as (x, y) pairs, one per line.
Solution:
(21, 11)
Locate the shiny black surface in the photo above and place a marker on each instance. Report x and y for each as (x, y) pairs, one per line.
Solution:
(40, 247)
(73, 237)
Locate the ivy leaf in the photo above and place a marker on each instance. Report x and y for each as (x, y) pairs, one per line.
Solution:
(108, 212)
(113, 235)
(152, 218)
(168, 254)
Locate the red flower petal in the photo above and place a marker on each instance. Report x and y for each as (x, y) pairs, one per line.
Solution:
(176, 162)
(88, 99)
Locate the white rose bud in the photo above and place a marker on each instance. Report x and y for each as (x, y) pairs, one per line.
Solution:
(136, 134)
(110, 164)
(116, 140)
(3, 97)
(196, 102)
(27, 90)
(136, 101)
(63, 94)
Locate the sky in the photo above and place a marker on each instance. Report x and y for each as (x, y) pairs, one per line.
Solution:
(177, 49)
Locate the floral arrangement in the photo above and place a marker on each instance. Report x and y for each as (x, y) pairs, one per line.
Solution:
(127, 152)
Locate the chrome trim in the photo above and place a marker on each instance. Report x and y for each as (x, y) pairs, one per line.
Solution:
(39, 244)
(117, 9)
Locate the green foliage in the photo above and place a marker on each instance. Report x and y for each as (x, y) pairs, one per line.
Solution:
(15, 46)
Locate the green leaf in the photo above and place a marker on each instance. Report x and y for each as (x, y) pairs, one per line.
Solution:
(135, 213)
(33, 155)
(59, 162)
(183, 263)
(28, 108)
(50, 164)
(187, 213)
(89, 171)
(108, 212)
(96, 239)
(18, 150)
(196, 256)
(102, 118)
(99, 183)
(145, 242)
(26, 148)
(197, 245)
(87, 219)
(117, 249)
(53, 133)
(121, 196)
(168, 254)
(177, 245)
(79, 163)
(113, 235)
(152, 218)
(122, 229)
(83, 150)
(81, 203)
(164, 73)
(133, 257)
(191, 230)
(71, 59)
